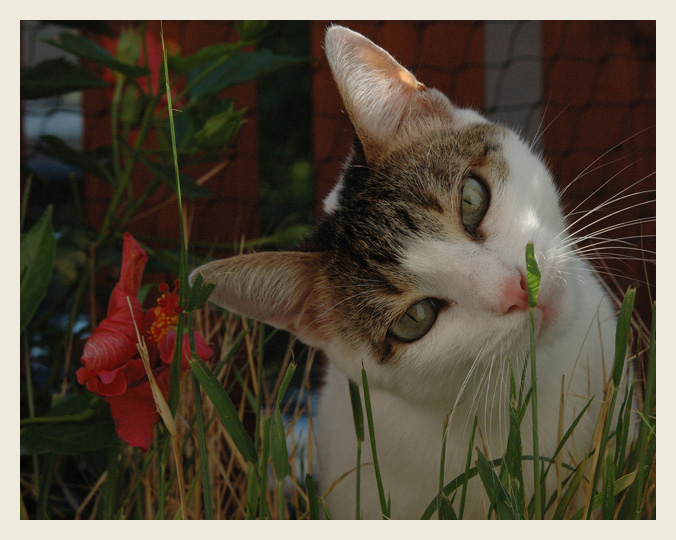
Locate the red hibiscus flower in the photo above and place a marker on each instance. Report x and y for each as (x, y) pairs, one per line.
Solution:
(112, 366)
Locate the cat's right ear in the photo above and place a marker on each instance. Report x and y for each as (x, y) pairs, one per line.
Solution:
(382, 98)
(278, 288)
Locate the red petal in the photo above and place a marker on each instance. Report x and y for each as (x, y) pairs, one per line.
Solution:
(134, 260)
(135, 415)
(111, 383)
(113, 342)
(134, 371)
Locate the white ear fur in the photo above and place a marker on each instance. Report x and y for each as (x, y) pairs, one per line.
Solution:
(274, 287)
(380, 95)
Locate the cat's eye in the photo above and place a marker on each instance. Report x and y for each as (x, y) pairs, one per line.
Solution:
(474, 203)
(417, 320)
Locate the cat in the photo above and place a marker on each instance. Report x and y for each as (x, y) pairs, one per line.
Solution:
(417, 273)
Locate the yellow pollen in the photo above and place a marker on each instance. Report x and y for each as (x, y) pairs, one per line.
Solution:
(162, 325)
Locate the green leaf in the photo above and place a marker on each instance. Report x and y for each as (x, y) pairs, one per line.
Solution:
(205, 55)
(239, 68)
(199, 293)
(280, 455)
(372, 437)
(532, 275)
(494, 490)
(249, 30)
(290, 235)
(263, 464)
(514, 451)
(312, 496)
(88, 50)
(445, 508)
(87, 161)
(571, 490)
(38, 251)
(54, 78)
(357, 412)
(70, 437)
(225, 408)
(253, 492)
(622, 334)
(220, 128)
(285, 383)
(608, 502)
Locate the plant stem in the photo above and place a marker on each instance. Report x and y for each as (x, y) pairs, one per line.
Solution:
(24, 200)
(369, 417)
(203, 453)
(81, 417)
(534, 403)
(114, 112)
(126, 175)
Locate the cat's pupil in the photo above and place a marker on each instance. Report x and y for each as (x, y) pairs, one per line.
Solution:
(417, 320)
(474, 203)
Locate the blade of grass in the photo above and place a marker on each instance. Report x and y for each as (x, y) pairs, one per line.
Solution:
(312, 499)
(623, 428)
(494, 489)
(280, 455)
(445, 509)
(608, 497)
(468, 463)
(253, 493)
(264, 511)
(203, 453)
(622, 483)
(358, 417)
(621, 338)
(512, 462)
(645, 429)
(570, 491)
(285, 383)
(225, 408)
(175, 373)
(369, 418)
(533, 279)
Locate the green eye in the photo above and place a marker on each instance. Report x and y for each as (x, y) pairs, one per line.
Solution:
(474, 203)
(417, 320)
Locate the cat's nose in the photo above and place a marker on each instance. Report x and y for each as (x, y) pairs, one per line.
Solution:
(514, 295)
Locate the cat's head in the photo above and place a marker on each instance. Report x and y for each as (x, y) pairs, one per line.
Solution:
(418, 265)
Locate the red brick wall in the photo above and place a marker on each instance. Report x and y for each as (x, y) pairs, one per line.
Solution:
(599, 79)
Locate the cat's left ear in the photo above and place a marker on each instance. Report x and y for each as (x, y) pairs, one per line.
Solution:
(383, 99)
(278, 288)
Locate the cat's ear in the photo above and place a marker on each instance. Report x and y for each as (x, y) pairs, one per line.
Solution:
(382, 98)
(277, 288)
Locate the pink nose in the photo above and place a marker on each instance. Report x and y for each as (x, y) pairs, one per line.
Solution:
(514, 295)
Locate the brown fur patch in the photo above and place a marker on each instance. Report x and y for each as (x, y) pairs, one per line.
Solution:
(414, 191)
